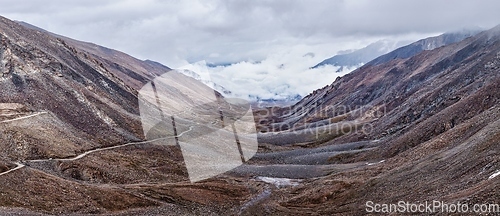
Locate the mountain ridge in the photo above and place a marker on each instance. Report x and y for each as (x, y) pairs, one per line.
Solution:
(425, 44)
(358, 57)
(120, 64)
(375, 54)
(432, 117)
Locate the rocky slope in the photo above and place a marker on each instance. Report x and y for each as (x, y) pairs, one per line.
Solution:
(431, 120)
(60, 98)
(90, 88)
(72, 137)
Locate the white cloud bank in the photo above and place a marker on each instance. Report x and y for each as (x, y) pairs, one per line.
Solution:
(281, 75)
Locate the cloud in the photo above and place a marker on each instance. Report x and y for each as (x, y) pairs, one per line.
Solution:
(177, 32)
(264, 79)
(173, 32)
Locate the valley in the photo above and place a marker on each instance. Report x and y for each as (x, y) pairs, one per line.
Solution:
(82, 131)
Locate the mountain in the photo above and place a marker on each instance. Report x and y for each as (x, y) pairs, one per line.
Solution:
(119, 63)
(375, 53)
(60, 98)
(70, 129)
(266, 102)
(77, 86)
(73, 132)
(207, 82)
(357, 58)
(420, 128)
(425, 44)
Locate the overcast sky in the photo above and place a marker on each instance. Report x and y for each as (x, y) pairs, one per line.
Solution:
(176, 33)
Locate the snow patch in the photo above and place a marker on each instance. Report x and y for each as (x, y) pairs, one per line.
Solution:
(279, 182)
(494, 175)
(370, 164)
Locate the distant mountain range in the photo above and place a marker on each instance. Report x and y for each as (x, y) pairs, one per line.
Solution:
(424, 44)
(209, 83)
(376, 53)
(358, 57)
(278, 97)
(373, 52)
(267, 102)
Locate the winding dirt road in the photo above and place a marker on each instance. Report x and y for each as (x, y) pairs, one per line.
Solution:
(110, 148)
(19, 165)
(24, 117)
